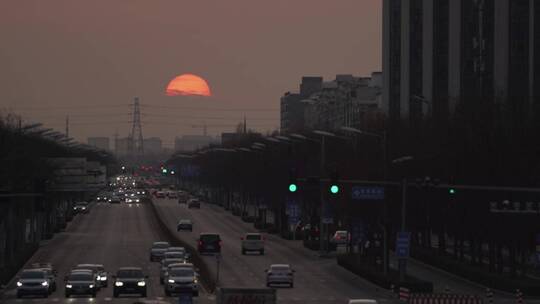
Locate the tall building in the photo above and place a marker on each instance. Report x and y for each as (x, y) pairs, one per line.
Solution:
(292, 105)
(99, 142)
(152, 145)
(438, 53)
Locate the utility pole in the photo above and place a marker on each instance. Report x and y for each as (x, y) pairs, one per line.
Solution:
(321, 234)
(67, 126)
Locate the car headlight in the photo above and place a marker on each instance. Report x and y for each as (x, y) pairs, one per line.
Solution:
(83, 208)
(45, 283)
(69, 285)
(141, 283)
(19, 284)
(91, 286)
(119, 284)
(103, 278)
(195, 280)
(98, 278)
(171, 281)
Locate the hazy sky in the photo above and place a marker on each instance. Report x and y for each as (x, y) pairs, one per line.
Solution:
(88, 59)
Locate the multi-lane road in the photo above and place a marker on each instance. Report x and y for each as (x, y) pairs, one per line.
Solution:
(120, 235)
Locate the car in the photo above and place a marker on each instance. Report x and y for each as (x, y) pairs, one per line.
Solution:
(81, 207)
(101, 273)
(44, 265)
(182, 197)
(157, 250)
(341, 237)
(172, 194)
(362, 301)
(115, 199)
(160, 194)
(209, 243)
(133, 199)
(33, 282)
(253, 242)
(184, 225)
(280, 274)
(181, 278)
(93, 270)
(130, 280)
(175, 255)
(51, 276)
(164, 266)
(81, 282)
(194, 203)
(102, 197)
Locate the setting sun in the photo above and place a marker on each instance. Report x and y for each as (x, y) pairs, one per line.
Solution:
(188, 85)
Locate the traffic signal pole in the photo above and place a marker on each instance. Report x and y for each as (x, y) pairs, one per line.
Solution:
(321, 225)
(403, 261)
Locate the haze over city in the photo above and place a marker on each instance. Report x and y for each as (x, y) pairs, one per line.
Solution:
(90, 59)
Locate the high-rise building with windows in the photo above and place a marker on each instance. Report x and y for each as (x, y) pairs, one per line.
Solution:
(438, 53)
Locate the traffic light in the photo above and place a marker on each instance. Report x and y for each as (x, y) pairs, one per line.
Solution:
(164, 170)
(334, 183)
(451, 191)
(293, 185)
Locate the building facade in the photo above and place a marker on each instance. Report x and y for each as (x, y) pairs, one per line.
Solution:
(292, 105)
(99, 142)
(152, 145)
(192, 142)
(438, 53)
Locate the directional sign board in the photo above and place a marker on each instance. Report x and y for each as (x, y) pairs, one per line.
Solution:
(403, 244)
(367, 193)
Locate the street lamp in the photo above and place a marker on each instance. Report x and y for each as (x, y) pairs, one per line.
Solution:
(384, 147)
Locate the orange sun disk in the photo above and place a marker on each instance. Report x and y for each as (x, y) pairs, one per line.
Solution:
(187, 85)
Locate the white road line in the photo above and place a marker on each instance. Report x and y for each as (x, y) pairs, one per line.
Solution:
(107, 299)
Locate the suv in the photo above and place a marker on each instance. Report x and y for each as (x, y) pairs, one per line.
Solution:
(180, 279)
(130, 280)
(81, 282)
(194, 203)
(157, 250)
(209, 243)
(33, 282)
(253, 242)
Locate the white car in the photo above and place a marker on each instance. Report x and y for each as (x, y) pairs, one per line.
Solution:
(253, 242)
(280, 274)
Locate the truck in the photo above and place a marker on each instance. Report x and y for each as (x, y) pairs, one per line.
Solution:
(246, 295)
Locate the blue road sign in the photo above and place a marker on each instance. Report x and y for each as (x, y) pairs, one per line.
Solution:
(367, 193)
(403, 244)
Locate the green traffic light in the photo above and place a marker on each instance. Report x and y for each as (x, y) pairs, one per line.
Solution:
(452, 191)
(292, 188)
(164, 171)
(334, 189)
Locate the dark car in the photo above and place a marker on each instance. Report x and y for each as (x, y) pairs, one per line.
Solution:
(130, 280)
(184, 225)
(194, 203)
(209, 243)
(114, 200)
(33, 282)
(101, 273)
(81, 207)
(81, 282)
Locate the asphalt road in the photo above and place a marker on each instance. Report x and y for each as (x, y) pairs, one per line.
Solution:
(316, 280)
(112, 235)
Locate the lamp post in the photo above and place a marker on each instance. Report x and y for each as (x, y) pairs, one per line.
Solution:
(384, 147)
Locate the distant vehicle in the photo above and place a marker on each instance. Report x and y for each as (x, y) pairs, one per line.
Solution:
(114, 199)
(362, 301)
(280, 274)
(253, 242)
(133, 199)
(341, 237)
(92, 270)
(246, 295)
(172, 194)
(160, 194)
(179, 278)
(194, 203)
(130, 280)
(184, 225)
(175, 255)
(101, 273)
(157, 250)
(164, 266)
(209, 243)
(81, 207)
(81, 282)
(182, 197)
(33, 282)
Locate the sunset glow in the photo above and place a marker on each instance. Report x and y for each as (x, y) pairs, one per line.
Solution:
(188, 85)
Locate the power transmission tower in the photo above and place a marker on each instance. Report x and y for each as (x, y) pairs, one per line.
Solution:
(136, 138)
(67, 126)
